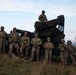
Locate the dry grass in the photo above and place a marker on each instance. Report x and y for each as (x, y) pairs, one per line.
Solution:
(16, 66)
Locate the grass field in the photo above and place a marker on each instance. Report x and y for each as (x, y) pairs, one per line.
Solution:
(16, 66)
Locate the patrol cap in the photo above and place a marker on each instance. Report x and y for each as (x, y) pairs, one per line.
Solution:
(2, 27)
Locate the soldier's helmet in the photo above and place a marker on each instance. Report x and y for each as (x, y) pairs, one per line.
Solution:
(14, 28)
(62, 40)
(69, 41)
(2, 27)
(43, 11)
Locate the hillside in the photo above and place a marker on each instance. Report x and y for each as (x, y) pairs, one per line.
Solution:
(16, 66)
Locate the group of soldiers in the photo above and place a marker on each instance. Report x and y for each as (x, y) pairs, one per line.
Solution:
(23, 43)
(67, 50)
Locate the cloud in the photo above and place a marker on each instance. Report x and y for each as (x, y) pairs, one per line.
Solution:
(25, 25)
(33, 7)
(25, 12)
(68, 11)
(10, 5)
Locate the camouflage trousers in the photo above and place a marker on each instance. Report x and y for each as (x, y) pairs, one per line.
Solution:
(35, 49)
(14, 45)
(48, 54)
(26, 51)
(2, 45)
(72, 56)
(63, 57)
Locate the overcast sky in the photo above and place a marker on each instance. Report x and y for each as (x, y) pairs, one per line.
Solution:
(23, 14)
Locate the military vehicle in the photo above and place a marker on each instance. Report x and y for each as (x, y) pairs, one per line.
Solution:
(51, 29)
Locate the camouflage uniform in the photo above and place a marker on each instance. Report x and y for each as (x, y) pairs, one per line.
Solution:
(3, 39)
(25, 44)
(48, 50)
(36, 42)
(15, 38)
(71, 51)
(63, 52)
(42, 17)
(0, 45)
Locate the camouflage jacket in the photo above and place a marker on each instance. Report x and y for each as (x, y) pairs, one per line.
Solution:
(42, 18)
(48, 45)
(71, 49)
(14, 37)
(62, 47)
(3, 34)
(36, 42)
(25, 41)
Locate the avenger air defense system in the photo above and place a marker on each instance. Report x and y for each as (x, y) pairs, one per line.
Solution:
(53, 29)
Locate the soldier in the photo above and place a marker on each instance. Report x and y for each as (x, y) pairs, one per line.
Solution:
(0, 46)
(3, 39)
(15, 39)
(42, 17)
(48, 49)
(36, 42)
(25, 44)
(71, 51)
(63, 52)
